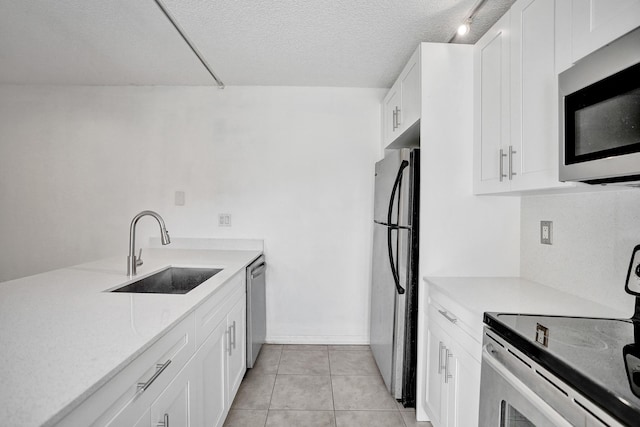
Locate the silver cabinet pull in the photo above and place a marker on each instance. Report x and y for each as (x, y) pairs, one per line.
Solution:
(447, 375)
(234, 335)
(258, 270)
(165, 422)
(440, 348)
(228, 334)
(398, 121)
(446, 315)
(511, 153)
(502, 156)
(160, 367)
(394, 119)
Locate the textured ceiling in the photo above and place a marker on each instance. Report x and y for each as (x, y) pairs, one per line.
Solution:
(356, 43)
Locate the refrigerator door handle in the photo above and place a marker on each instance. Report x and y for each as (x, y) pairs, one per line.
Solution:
(392, 226)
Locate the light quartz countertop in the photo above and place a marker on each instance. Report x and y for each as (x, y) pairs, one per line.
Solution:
(62, 336)
(515, 295)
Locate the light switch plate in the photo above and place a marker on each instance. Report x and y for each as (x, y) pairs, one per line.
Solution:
(224, 220)
(546, 232)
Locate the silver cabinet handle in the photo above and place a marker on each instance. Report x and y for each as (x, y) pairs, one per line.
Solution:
(165, 422)
(447, 375)
(446, 315)
(502, 174)
(393, 119)
(511, 153)
(234, 335)
(398, 121)
(258, 270)
(228, 334)
(440, 348)
(160, 367)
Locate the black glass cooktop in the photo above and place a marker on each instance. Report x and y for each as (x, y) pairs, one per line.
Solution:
(598, 357)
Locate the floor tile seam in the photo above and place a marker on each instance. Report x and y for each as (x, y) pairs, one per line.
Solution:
(357, 375)
(273, 387)
(279, 359)
(306, 374)
(333, 399)
(366, 410)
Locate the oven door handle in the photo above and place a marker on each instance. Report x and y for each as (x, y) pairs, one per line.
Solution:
(525, 391)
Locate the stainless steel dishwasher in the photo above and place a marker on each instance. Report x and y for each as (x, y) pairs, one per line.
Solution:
(256, 309)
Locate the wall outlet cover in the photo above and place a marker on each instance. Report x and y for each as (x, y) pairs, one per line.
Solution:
(224, 220)
(546, 232)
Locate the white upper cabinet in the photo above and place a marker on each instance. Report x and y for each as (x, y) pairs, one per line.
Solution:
(595, 23)
(491, 98)
(401, 106)
(534, 95)
(516, 105)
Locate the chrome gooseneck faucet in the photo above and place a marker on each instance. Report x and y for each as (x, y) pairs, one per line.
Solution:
(132, 260)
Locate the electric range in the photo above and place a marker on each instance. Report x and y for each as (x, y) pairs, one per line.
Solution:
(598, 358)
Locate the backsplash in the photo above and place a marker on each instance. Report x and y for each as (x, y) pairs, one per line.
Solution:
(593, 237)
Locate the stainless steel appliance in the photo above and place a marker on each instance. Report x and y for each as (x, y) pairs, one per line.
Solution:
(394, 290)
(256, 308)
(600, 115)
(558, 371)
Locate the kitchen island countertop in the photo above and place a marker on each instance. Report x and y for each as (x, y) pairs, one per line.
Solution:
(63, 335)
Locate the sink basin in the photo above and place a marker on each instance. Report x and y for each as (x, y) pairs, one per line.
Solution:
(172, 280)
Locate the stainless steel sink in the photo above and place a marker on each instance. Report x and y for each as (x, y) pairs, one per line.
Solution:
(172, 280)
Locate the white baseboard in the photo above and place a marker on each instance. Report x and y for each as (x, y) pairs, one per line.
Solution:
(326, 340)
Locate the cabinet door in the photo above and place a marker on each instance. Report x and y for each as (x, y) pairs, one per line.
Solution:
(178, 404)
(410, 93)
(212, 362)
(434, 399)
(598, 22)
(534, 93)
(491, 57)
(463, 388)
(391, 105)
(236, 322)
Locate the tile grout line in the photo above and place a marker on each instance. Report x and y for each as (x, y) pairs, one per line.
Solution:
(333, 400)
(273, 387)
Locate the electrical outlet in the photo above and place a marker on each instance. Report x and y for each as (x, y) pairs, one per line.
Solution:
(224, 220)
(546, 232)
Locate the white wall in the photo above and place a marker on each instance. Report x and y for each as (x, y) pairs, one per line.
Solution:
(460, 234)
(593, 236)
(291, 165)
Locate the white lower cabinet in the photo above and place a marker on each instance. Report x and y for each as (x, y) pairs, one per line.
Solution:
(236, 322)
(222, 364)
(212, 360)
(452, 387)
(188, 378)
(180, 404)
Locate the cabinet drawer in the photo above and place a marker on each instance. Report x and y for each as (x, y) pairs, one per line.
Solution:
(455, 321)
(121, 399)
(215, 308)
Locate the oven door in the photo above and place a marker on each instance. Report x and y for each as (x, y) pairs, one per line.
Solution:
(506, 401)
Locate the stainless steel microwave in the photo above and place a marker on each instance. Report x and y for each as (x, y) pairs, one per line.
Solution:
(600, 115)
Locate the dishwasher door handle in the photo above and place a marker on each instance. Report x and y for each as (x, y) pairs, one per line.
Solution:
(259, 270)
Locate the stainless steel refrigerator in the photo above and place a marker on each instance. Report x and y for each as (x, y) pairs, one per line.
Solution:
(394, 288)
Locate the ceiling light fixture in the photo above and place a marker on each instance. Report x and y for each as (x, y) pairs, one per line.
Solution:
(465, 27)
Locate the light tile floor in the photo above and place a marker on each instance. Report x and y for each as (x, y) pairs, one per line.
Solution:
(316, 386)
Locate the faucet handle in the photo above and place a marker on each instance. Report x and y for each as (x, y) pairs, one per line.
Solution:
(139, 258)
